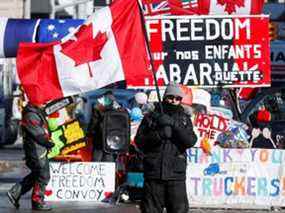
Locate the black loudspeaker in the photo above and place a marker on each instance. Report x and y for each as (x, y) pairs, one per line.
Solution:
(116, 131)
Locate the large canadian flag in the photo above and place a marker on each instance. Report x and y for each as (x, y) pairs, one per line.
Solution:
(109, 47)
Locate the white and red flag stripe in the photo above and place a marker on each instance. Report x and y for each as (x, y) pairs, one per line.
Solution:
(230, 7)
(109, 47)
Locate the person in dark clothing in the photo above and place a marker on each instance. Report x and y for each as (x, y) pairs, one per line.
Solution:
(163, 138)
(36, 143)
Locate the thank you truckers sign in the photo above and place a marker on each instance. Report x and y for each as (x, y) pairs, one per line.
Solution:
(230, 51)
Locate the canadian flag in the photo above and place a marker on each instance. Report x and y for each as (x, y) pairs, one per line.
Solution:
(109, 47)
(230, 7)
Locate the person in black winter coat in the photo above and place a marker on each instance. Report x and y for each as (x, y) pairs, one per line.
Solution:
(36, 143)
(164, 138)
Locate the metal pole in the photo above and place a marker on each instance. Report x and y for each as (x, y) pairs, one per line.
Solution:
(55, 8)
(7, 77)
(76, 11)
(151, 59)
(27, 9)
(82, 8)
(52, 13)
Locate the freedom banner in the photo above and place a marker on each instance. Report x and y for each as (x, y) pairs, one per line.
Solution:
(209, 51)
(109, 47)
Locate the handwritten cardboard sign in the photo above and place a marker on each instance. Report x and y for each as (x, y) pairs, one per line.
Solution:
(81, 181)
(210, 125)
(231, 177)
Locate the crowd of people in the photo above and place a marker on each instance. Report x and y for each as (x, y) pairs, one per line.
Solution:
(157, 126)
(160, 131)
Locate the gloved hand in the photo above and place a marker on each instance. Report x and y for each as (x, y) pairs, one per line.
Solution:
(165, 132)
(165, 120)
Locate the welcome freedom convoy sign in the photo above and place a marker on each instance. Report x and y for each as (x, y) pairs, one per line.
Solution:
(209, 51)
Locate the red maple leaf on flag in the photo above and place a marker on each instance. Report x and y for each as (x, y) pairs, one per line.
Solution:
(230, 5)
(84, 48)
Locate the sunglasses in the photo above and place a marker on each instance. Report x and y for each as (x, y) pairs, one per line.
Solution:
(172, 97)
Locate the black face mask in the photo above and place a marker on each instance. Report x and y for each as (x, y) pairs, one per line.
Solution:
(169, 107)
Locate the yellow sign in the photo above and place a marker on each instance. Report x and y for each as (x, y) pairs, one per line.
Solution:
(73, 132)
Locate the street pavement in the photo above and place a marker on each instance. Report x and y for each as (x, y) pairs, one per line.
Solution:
(11, 162)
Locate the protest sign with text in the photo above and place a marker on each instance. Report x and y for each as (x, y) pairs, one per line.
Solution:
(235, 177)
(81, 181)
(209, 51)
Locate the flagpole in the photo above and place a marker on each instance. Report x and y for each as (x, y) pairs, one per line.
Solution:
(150, 57)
